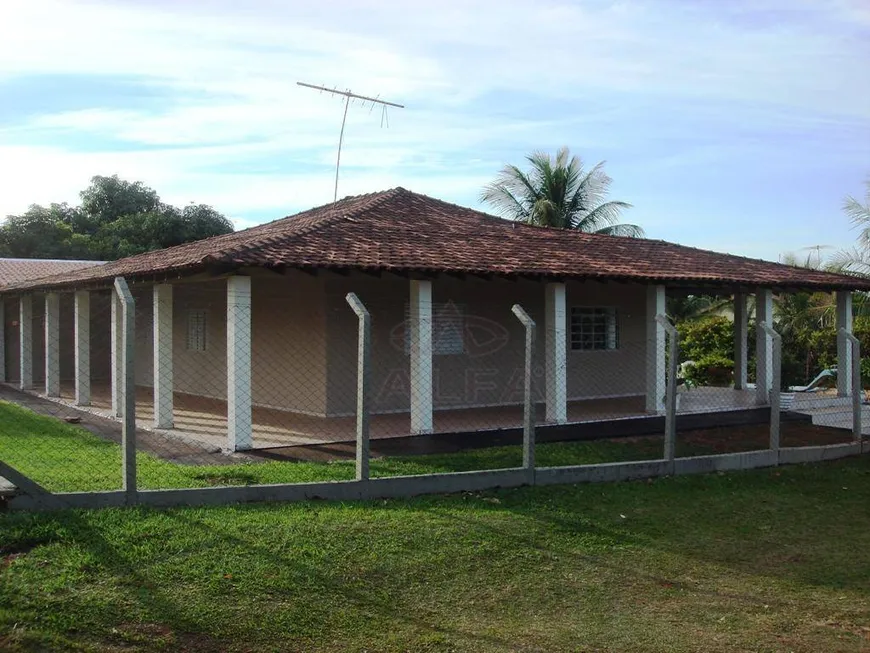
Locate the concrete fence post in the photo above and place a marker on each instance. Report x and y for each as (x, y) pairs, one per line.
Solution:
(775, 381)
(857, 387)
(673, 337)
(127, 389)
(116, 354)
(528, 396)
(363, 384)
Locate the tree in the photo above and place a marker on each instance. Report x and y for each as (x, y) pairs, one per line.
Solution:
(856, 260)
(109, 198)
(164, 226)
(42, 232)
(200, 221)
(558, 192)
(116, 218)
(709, 343)
(695, 307)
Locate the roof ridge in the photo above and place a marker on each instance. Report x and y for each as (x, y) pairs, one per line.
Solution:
(372, 200)
(592, 235)
(522, 225)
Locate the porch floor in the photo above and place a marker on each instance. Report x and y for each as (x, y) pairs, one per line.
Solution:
(203, 420)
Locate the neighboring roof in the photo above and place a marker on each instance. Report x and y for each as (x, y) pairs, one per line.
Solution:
(16, 270)
(401, 231)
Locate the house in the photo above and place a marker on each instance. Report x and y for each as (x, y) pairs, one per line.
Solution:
(248, 337)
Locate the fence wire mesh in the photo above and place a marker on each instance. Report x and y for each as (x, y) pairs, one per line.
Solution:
(255, 380)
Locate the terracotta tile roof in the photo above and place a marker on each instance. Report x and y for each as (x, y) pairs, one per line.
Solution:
(401, 231)
(17, 270)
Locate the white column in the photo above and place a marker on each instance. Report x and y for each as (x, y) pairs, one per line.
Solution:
(421, 356)
(25, 341)
(763, 345)
(2, 339)
(844, 349)
(655, 350)
(52, 344)
(239, 417)
(163, 387)
(556, 366)
(82, 330)
(117, 352)
(741, 340)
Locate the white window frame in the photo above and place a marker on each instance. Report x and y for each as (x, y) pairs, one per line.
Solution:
(448, 337)
(197, 330)
(609, 339)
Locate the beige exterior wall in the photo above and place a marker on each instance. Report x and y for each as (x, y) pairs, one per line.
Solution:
(288, 357)
(489, 372)
(289, 347)
(305, 341)
(614, 373)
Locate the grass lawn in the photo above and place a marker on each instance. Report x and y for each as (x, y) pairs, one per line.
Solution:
(767, 560)
(65, 458)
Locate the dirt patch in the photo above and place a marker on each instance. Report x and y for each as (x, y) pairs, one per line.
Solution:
(144, 633)
(854, 629)
(757, 436)
(11, 553)
(722, 439)
(750, 437)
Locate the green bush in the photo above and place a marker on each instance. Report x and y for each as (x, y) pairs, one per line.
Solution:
(710, 336)
(710, 369)
(821, 350)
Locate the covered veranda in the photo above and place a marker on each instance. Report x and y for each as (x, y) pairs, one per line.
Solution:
(203, 421)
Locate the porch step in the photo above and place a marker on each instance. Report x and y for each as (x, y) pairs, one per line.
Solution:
(786, 400)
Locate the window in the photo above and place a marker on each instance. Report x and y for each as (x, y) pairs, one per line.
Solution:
(594, 328)
(448, 329)
(197, 327)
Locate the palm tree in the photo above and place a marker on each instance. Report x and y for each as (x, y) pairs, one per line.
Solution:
(695, 307)
(856, 260)
(558, 192)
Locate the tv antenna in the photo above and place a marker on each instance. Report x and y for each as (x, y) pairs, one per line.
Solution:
(818, 249)
(348, 98)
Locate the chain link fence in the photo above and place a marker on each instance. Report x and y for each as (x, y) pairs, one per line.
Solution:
(276, 379)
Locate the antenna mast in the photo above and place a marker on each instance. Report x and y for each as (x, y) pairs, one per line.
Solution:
(348, 98)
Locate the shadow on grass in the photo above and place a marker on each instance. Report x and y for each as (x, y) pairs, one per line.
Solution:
(807, 523)
(153, 604)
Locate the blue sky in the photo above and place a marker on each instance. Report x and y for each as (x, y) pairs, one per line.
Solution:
(736, 126)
